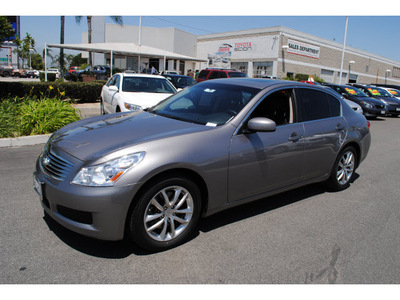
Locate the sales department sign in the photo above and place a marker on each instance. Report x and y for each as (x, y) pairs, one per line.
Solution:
(303, 49)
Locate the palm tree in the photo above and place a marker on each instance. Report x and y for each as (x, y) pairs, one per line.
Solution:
(62, 42)
(78, 19)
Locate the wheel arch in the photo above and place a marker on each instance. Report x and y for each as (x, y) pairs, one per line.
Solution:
(178, 172)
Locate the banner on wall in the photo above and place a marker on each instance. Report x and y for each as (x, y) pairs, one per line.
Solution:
(303, 49)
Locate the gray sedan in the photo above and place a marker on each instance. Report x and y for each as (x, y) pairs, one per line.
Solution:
(150, 175)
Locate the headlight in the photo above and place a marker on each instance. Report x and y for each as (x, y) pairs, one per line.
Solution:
(108, 173)
(367, 104)
(132, 106)
(384, 102)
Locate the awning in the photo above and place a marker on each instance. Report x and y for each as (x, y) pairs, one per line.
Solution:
(129, 49)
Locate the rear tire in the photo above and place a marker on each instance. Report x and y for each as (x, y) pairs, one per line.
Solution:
(102, 112)
(165, 214)
(343, 170)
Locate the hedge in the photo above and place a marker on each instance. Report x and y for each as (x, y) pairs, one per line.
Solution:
(77, 91)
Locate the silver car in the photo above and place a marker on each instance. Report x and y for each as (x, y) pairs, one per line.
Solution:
(151, 174)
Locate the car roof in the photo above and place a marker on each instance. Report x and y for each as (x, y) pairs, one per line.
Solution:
(175, 75)
(140, 75)
(260, 83)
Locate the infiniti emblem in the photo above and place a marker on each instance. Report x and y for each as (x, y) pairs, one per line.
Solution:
(46, 161)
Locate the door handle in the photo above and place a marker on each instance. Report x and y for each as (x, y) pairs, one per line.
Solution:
(295, 137)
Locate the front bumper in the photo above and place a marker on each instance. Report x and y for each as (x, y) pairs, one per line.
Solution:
(393, 110)
(98, 212)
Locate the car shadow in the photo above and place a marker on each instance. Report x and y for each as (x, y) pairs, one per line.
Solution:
(258, 207)
(124, 248)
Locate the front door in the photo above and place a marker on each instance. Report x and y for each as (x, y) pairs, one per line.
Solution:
(261, 162)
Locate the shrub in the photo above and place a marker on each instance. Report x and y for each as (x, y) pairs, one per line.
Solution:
(8, 118)
(70, 90)
(45, 116)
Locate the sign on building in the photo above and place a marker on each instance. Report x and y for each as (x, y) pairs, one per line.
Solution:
(303, 49)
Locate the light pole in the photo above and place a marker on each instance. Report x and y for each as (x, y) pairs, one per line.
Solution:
(386, 75)
(284, 47)
(350, 63)
(30, 59)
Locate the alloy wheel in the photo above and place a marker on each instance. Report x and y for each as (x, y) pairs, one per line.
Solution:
(345, 168)
(168, 213)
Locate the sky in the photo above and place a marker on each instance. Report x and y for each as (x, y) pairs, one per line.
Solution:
(369, 28)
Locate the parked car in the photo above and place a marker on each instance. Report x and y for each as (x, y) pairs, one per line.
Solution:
(6, 71)
(370, 106)
(19, 73)
(53, 70)
(73, 69)
(395, 93)
(32, 74)
(208, 74)
(168, 72)
(310, 82)
(180, 81)
(151, 174)
(130, 91)
(393, 104)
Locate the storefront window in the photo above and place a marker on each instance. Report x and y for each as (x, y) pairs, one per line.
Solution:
(240, 66)
(262, 69)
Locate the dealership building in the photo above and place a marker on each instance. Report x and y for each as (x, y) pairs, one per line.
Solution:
(274, 51)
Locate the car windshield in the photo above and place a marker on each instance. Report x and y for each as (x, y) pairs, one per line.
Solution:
(209, 104)
(379, 92)
(236, 74)
(355, 92)
(147, 85)
(395, 93)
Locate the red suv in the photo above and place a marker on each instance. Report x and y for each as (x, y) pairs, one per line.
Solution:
(208, 74)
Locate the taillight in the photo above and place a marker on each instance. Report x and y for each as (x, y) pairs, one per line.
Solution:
(368, 124)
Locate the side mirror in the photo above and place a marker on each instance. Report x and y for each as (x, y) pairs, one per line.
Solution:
(261, 124)
(113, 88)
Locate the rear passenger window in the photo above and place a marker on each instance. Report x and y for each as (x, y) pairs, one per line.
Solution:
(203, 74)
(315, 105)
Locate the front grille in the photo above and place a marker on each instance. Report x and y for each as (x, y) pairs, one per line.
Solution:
(380, 106)
(55, 166)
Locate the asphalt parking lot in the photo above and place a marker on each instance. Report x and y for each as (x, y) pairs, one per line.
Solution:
(306, 236)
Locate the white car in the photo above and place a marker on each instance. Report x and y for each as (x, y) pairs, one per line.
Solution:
(54, 71)
(130, 91)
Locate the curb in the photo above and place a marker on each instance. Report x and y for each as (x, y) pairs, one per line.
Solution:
(24, 141)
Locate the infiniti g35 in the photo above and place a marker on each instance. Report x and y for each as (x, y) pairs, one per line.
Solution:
(152, 174)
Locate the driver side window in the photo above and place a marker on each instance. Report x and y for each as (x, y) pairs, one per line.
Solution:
(278, 107)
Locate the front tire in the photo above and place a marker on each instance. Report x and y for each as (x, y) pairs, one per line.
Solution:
(102, 111)
(344, 169)
(165, 214)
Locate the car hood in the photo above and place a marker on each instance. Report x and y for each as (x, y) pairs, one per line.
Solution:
(145, 100)
(366, 99)
(92, 138)
(389, 100)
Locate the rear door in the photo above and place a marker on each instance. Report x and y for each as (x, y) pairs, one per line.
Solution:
(324, 130)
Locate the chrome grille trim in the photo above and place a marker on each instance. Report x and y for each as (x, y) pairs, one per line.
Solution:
(55, 166)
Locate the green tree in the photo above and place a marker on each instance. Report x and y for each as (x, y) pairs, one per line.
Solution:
(6, 30)
(24, 48)
(78, 19)
(37, 61)
(77, 60)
